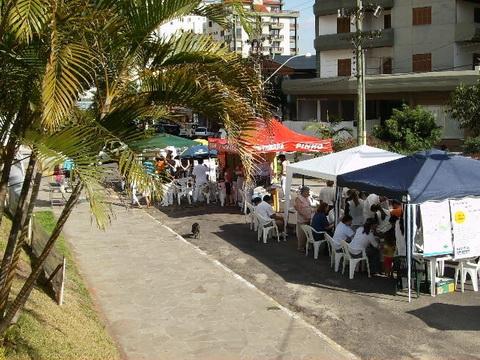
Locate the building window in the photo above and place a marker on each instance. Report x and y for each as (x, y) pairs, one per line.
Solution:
(209, 24)
(422, 62)
(344, 67)
(387, 66)
(476, 60)
(387, 21)
(343, 25)
(476, 15)
(422, 15)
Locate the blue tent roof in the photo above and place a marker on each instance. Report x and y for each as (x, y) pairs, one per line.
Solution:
(427, 175)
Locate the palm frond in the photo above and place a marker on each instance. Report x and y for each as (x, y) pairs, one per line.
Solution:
(68, 74)
(27, 18)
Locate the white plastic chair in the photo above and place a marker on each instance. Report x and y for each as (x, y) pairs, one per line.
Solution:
(335, 257)
(265, 227)
(250, 216)
(353, 262)
(309, 231)
(469, 268)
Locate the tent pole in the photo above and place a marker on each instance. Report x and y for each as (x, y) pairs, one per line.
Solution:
(288, 184)
(303, 180)
(408, 232)
(338, 200)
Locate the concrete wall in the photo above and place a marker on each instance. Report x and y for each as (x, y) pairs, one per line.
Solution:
(437, 38)
(329, 62)
(327, 24)
(451, 130)
(374, 59)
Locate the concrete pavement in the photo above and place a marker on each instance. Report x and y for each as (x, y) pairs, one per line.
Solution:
(164, 299)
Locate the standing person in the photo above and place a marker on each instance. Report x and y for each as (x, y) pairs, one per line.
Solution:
(200, 173)
(135, 200)
(354, 208)
(284, 162)
(327, 194)
(304, 215)
(228, 177)
(371, 199)
(239, 173)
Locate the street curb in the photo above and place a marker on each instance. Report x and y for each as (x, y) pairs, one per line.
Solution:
(290, 313)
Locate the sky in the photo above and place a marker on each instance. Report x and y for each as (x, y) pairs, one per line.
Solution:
(306, 21)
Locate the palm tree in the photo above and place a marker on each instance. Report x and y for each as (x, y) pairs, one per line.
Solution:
(109, 47)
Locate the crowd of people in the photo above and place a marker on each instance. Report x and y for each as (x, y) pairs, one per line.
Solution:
(369, 223)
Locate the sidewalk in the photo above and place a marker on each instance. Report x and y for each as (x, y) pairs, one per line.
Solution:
(164, 299)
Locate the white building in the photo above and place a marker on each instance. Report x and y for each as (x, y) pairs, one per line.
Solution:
(426, 49)
(279, 29)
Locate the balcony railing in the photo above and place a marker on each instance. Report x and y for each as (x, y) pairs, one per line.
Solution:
(344, 41)
(277, 50)
(329, 7)
(275, 25)
(277, 37)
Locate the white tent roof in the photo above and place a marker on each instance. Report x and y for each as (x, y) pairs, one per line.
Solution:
(328, 167)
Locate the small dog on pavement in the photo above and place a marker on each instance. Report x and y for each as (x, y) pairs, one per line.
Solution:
(195, 230)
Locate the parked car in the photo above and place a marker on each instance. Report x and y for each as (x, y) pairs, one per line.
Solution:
(203, 132)
(168, 128)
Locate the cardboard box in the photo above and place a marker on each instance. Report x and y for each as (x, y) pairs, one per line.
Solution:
(444, 286)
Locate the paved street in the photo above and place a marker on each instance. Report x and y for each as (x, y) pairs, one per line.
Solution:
(362, 315)
(163, 299)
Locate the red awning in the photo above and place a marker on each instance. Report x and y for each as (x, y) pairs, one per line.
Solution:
(274, 137)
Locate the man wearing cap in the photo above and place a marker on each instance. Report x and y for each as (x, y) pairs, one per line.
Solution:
(304, 215)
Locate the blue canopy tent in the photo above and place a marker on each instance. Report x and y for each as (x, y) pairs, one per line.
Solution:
(424, 176)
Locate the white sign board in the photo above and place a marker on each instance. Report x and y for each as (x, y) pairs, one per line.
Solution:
(437, 228)
(466, 222)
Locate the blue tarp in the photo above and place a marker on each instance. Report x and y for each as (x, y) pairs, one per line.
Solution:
(426, 175)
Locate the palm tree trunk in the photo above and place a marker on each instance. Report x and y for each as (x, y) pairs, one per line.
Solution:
(27, 287)
(5, 292)
(10, 151)
(16, 223)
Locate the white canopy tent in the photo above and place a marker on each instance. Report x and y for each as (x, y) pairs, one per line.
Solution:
(328, 167)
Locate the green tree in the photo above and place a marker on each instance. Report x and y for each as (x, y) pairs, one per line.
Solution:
(52, 51)
(331, 130)
(409, 129)
(464, 107)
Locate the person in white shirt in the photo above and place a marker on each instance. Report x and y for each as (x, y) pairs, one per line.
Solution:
(382, 217)
(283, 176)
(354, 207)
(265, 210)
(400, 244)
(343, 231)
(200, 172)
(371, 199)
(364, 239)
(327, 194)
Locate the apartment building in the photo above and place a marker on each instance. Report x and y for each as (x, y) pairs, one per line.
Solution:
(419, 52)
(277, 33)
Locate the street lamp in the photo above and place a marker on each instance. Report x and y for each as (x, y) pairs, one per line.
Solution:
(307, 55)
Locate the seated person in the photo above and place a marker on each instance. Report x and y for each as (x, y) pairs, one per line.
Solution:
(382, 217)
(320, 221)
(265, 210)
(331, 215)
(364, 239)
(343, 232)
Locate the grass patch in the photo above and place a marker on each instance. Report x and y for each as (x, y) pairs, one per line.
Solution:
(48, 331)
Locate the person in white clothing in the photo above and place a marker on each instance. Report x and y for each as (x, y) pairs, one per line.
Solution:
(364, 239)
(265, 210)
(283, 176)
(354, 207)
(382, 217)
(400, 244)
(343, 231)
(327, 194)
(371, 199)
(200, 172)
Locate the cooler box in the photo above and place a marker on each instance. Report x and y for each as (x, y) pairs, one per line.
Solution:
(444, 286)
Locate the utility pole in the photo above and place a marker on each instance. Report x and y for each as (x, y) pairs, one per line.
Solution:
(358, 39)
(360, 65)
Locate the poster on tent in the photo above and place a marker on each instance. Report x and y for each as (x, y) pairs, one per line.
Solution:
(465, 222)
(437, 228)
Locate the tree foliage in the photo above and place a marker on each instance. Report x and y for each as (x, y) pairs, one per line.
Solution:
(409, 129)
(464, 107)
